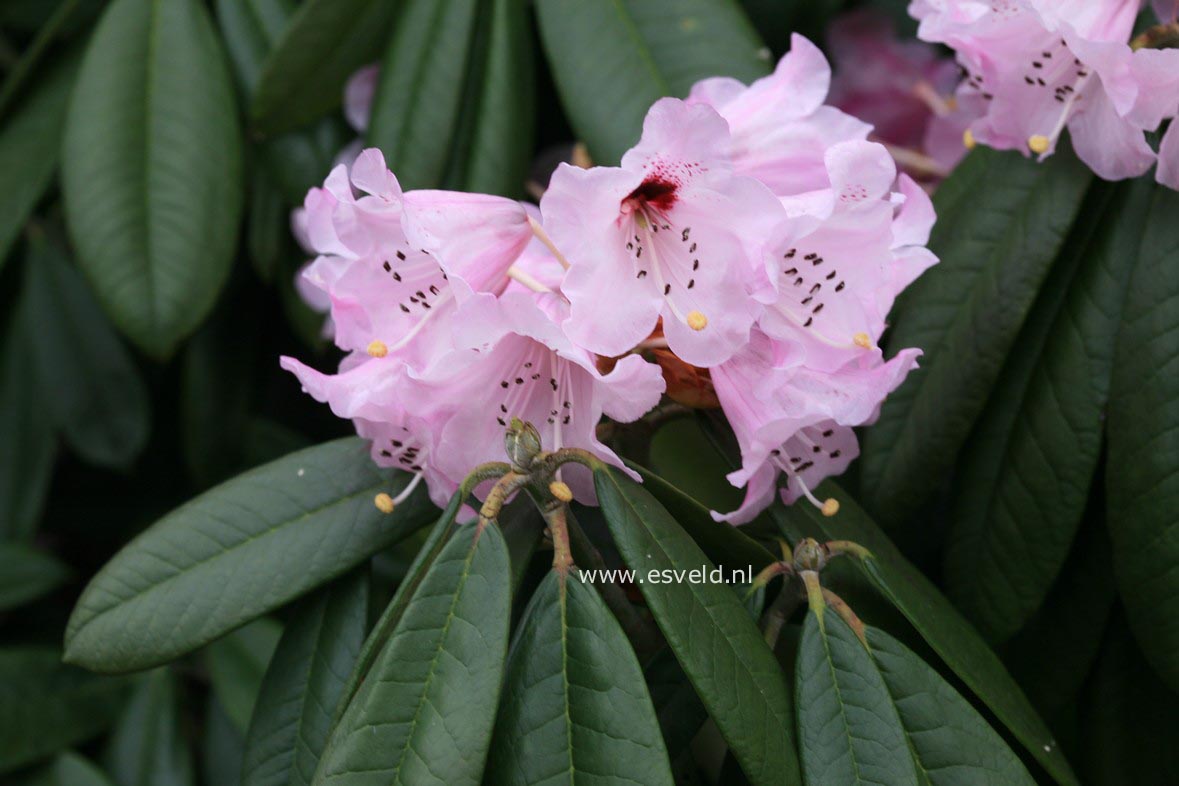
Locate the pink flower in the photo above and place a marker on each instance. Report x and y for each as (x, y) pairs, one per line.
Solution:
(795, 421)
(369, 391)
(672, 233)
(358, 97)
(837, 268)
(779, 125)
(897, 86)
(1046, 65)
(515, 361)
(1166, 10)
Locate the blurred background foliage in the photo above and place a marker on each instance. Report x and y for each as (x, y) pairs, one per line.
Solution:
(151, 152)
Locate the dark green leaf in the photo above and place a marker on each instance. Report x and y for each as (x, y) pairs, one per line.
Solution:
(27, 444)
(1130, 719)
(848, 728)
(267, 227)
(30, 139)
(575, 705)
(724, 544)
(223, 748)
(935, 618)
(95, 393)
(26, 574)
(324, 43)
(951, 743)
(679, 709)
(454, 104)
(296, 160)
(1143, 471)
(152, 169)
(304, 684)
(237, 551)
(716, 642)
(1055, 651)
(612, 59)
(424, 713)
(390, 618)
(1025, 473)
(522, 527)
(148, 747)
(1001, 222)
(70, 769)
(236, 664)
(46, 706)
(30, 59)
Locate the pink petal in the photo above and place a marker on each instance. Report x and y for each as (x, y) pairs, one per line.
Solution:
(1168, 171)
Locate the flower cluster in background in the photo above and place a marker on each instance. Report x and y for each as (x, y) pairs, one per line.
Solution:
(753, 234)
(1036, 67)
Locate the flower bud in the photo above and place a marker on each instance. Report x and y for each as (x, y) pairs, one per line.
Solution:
(522, 444)
(809, 554)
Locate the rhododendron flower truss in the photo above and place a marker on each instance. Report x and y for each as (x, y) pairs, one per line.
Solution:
(744, 255)
(1042, 66)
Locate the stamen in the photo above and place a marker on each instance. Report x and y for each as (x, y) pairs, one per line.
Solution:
(543, 237)
(916, 162)
(561, 491)
(697, 321)
(525, 278)
(862, 340)
(932, 99)
(377, 349)
(384, 503)
(1038, 143)
(405, 492)
(968, 139)
(828, 507)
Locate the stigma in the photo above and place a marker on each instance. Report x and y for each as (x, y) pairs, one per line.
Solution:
(1038, 144)
(697, 321)
(377, 349)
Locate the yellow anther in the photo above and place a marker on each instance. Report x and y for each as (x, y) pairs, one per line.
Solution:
(384, 502)
(830, 507)
(561, 491)
(862, 340)
(968, 139)
(697, 320)
(1038, 143)
(377, 349)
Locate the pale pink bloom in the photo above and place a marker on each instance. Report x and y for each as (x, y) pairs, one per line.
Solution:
(779, 125)
(1166, 10)
(672, 233)
(904, 88)
(515, 361)
(369, 391)
(794, 423)
(837, 269)
(1046, 65)
(358, 97)
(1168, 172)
(476, 238)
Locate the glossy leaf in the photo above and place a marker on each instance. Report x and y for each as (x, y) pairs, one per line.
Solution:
(223, 746)
(1001, 222)
(237, 551)
(46, 706)
(27, 573)
(236, 663)
(70, 769)
(323, 44)
(575, 706)
(98, 401)
(1142, 476)
(1129, 717)
(27, 443)
(1023, 481)
(30, 138)
(299, 159)
(147, 747)
(390, 618)
(848, 728)
(612, 59)
(951, 743)
(454, 104)
(152, 168)
(424, 713)
(935, 618)
(716, 642)
(304, 684)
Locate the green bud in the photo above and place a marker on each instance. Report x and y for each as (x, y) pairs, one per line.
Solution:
(522, 443)
(809, 554)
